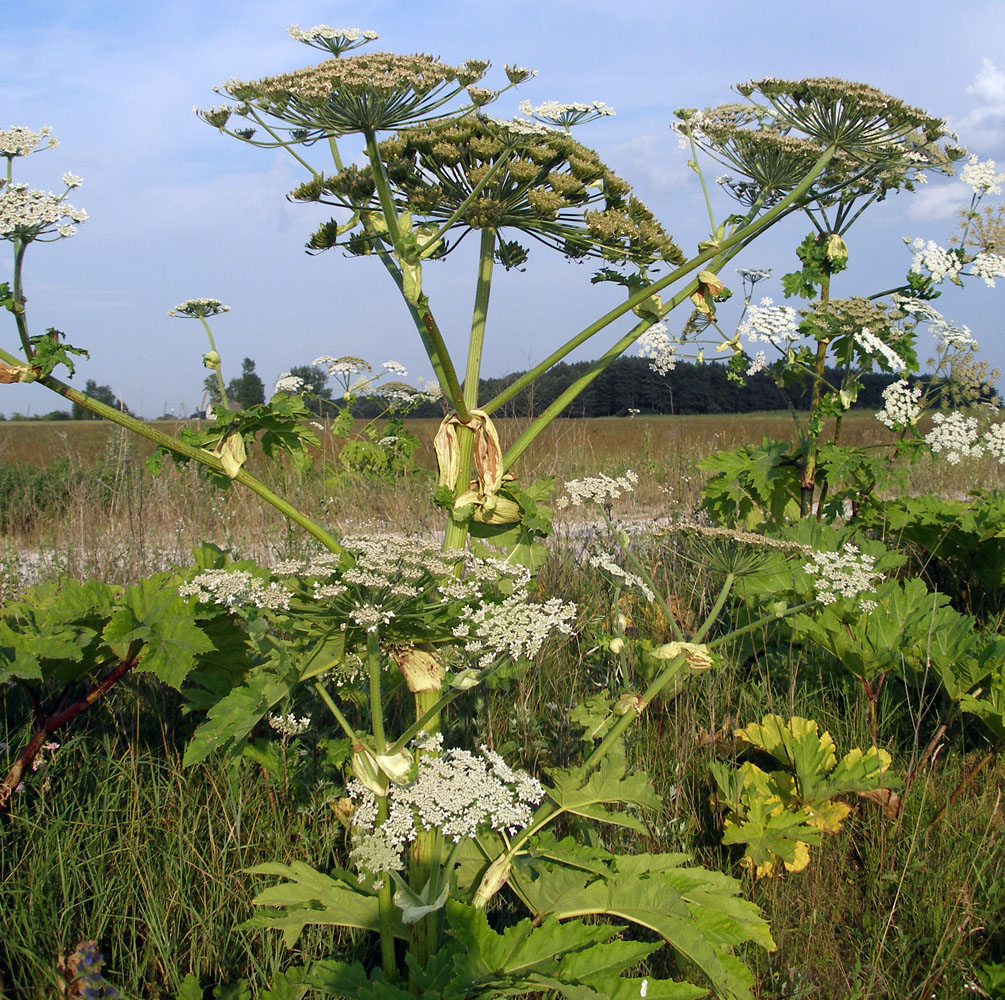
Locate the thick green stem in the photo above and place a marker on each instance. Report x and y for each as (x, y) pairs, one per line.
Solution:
(19, 311)
(385, 898)
(813, 440)
(335, 711)
(643, 573)
(185, 450)
(376, 699)
(457, 531)
(384, 195)
(739, 239)
(218, 368)
(426, 850)
(479, 313)
(711, 617)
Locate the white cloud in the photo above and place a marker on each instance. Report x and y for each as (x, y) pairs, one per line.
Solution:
(985, 124)
(937, 202)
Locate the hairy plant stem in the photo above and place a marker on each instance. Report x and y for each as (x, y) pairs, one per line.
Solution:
(46, 728)
(643, 573)
(385, 899)
(186, 450)
(425, 859)
(218, 368)
(807, 485)
(457, 531)
(737, 241)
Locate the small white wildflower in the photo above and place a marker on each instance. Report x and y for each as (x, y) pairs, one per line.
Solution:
(234, 588)
(21, 141)
(955, 436)
(565, 115)
(901, 405)
(27, 214)
(394, 368)
(72, 180)
(759, 364)
(512, 627)
(754, 274)
(607, 564)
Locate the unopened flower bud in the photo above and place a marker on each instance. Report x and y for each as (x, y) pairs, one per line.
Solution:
(616, 644)
(622, 621)
(211, 359)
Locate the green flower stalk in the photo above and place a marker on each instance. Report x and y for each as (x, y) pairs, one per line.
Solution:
(200, 309)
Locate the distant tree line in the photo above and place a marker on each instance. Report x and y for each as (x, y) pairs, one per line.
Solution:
(629, 384)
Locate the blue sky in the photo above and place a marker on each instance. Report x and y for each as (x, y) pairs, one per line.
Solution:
(178, 211)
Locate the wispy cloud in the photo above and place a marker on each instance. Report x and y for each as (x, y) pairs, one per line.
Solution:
(985, 124)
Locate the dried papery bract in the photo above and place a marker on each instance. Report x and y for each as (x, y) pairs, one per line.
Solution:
(366, 93)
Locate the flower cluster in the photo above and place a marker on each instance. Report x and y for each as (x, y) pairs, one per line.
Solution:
(198, 308)
(597, 489)
(901, 405)
(21, 141)
(871, 344)
(771, 324)
(565, 115)
(27, 214)
(607, 564)
(512, 627)
(292, 384)
(939, 263)
(988, 266)
(981, 176)
(333, 40)
(956, 436)
(759, 364)
(236, 588)
(289, 725)
(754, 274)
(656, 345)
(948, 333)
(847, 573)
(456, 792)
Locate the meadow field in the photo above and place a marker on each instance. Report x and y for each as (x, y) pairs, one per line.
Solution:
(112, 840)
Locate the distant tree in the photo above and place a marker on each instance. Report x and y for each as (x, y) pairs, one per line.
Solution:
(58, 415)
(212, 387)
(103, 394)
(247, 390)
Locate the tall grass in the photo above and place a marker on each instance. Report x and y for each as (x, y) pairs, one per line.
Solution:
(115, 841)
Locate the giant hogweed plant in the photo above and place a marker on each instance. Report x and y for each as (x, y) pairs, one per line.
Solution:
(387, 635)
(833, 343)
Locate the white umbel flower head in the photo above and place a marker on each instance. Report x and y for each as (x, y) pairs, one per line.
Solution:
(901, 405)
(981, 176)
(954, 436)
